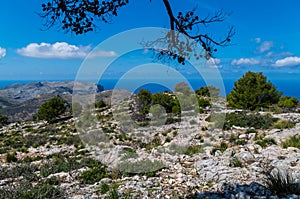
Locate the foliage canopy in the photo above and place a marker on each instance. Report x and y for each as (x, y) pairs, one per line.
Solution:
(288, 102)
(252, 92)
(51, 109)
(3, 120)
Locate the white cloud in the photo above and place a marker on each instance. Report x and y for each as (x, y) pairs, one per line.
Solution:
(244, 61)
(288, 61)
(2, 52)
(214, 63)
(60, 50)
(257, 40)
(103, 54)
(265, 46)
(278, 55)
(269, 54)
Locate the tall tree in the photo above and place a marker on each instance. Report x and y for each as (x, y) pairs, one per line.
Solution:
(253, 91)
(82, 16)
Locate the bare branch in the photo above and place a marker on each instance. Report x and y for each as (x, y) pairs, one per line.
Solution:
(186, 23)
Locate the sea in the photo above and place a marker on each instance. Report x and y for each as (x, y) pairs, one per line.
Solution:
(289, 87)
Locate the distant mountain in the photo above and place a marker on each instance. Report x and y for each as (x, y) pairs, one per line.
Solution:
(21, 101)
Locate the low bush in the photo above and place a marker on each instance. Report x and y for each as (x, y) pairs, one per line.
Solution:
(129, 153)
(145, 167)
(155, 142)
(280, 182)
(203, 103)
(222, 147)
(112, 194)
(59, 164)
(265, 142)
(191, 150)
(11, 157)
(3, 120)
(283, 124)
(288, 102)
(236, 162)
(93, 175)
(26, 190)
(242, 119)
(254, 120)
(27, 171)
(177, 149)
(104, 188)
(100, 104)
(293, 141)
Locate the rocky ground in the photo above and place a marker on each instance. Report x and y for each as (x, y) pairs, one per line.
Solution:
(118, 159)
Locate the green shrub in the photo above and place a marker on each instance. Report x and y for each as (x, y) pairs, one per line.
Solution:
(171, 120)
(143, 104)
(51, 109)
(52, 181)
(288, 102)
(73, 140)
(104, 188)
(222, 147)
(11, 157)
(244, 119)
(113, 194)
(191, 150)
(252, 92)
(93, 175)
(166, 132)
(283, 124)
(35, 140)
(203, 103)
(293, 141)
(208, 91)
(25, 190)
(100, 104)
(265, 142)
(60, 163)
(155, 142)
(3, 120)
(27, 172)
(240, 142)
(143, 167)
(129, 153)
(168, 139)
(233, 138)
(236, 162)
(281, 183)
(164, 100)
(251, 130)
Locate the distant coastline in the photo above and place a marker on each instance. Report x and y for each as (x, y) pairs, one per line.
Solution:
(289, 87)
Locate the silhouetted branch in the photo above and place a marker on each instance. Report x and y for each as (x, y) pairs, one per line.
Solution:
(82, 16)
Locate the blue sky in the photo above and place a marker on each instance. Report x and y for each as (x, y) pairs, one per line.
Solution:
(267, 39)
